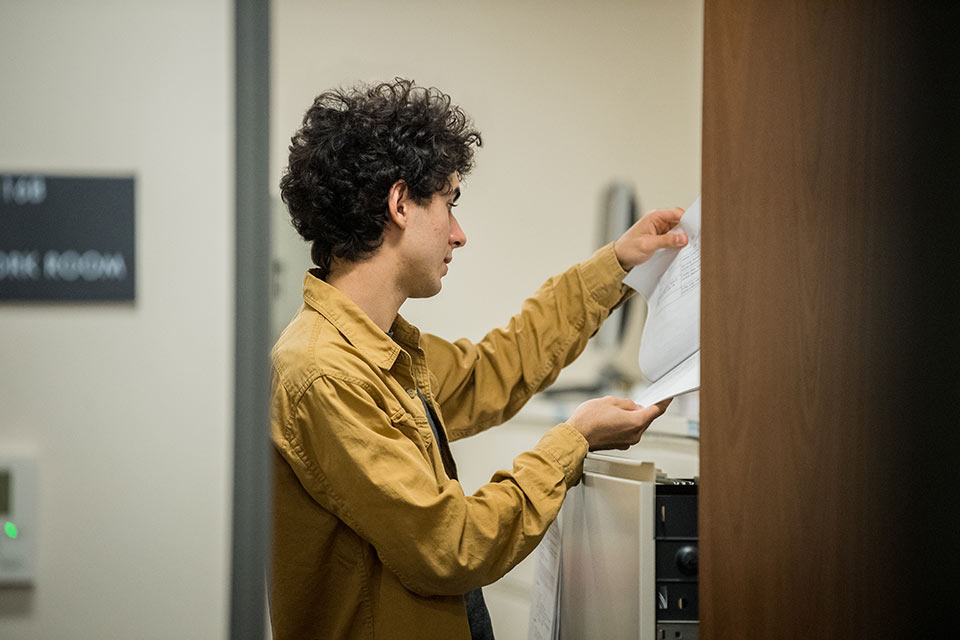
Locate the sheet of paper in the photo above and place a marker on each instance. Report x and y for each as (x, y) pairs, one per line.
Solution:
(670, 281)
(683, 378)
(545, 598)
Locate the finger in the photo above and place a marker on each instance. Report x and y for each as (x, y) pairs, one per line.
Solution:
(665, 219)
(664, 241)
(624, 403)
(671, 240)
(646, 415)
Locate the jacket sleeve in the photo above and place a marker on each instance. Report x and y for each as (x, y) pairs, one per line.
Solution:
(366, 467)
(483, 384)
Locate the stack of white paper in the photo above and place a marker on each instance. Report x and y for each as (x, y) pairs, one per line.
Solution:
(669, 354)
(545, 598)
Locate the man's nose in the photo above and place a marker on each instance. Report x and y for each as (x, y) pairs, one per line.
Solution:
(457, 237)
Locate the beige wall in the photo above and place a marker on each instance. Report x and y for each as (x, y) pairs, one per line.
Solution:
(568, 96)
(127, 406)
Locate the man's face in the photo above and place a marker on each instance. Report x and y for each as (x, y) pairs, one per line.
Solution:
(431, 235)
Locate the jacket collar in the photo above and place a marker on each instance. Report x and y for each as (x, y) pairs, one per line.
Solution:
(359, 330)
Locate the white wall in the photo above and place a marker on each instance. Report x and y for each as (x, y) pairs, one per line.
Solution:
(568, 96)
(127, 406)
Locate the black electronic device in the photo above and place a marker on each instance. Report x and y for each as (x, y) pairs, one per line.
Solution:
(677, 553)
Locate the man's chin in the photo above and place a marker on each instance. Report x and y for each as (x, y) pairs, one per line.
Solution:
(427, 291)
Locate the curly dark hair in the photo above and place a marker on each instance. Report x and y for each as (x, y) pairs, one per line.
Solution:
(354, 144)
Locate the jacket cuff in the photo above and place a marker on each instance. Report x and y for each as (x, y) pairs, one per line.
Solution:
(568, 447)
(604, 276)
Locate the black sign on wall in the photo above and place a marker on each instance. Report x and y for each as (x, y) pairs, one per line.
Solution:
(66, 238)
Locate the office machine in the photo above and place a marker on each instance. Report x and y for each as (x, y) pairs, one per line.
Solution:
(629, 554)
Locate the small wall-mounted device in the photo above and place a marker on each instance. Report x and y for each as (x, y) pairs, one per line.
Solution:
(18, 522)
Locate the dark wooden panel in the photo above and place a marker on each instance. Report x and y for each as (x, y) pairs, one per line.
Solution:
(810, 468)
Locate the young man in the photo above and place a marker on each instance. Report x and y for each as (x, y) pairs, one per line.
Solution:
(373, 535)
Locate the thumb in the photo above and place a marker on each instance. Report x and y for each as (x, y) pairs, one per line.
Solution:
(673, 240)
(664, 241)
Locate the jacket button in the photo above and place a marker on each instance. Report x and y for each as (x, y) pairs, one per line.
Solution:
(412, 393)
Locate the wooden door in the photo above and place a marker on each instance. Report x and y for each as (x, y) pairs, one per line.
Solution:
(828, 401)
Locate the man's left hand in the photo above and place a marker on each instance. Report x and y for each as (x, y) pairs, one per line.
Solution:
(648, 234)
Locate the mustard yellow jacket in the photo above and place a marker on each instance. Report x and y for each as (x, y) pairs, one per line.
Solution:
(371, 539)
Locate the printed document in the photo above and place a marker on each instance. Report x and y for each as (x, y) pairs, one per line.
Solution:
(545, 599)
(669, 355)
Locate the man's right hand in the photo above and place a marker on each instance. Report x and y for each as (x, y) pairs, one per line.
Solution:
(614, 423)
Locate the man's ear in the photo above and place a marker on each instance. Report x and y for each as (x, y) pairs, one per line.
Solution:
(398, 203)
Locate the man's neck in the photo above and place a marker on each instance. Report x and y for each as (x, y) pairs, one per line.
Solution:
(372, 287)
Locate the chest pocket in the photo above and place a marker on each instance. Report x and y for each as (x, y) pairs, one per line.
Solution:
(417, 429)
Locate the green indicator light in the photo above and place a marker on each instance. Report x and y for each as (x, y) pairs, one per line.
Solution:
(10, 529)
